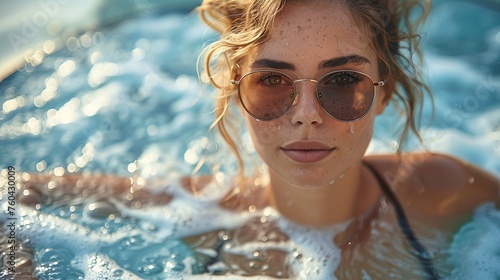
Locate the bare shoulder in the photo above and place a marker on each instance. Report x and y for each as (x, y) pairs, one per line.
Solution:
(438, 184)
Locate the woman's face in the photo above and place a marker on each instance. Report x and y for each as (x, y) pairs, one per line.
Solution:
(306, 147)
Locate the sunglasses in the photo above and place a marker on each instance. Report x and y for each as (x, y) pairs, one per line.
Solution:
(345, 95)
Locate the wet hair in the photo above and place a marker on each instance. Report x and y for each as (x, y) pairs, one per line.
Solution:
(390, 27)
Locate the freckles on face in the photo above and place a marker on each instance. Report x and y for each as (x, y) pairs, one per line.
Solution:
(265, 133)
(307, 38)
(303, 36)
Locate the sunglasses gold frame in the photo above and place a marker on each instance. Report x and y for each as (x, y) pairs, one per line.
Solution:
(318, 93)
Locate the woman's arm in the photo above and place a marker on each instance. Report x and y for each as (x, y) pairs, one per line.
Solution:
(39, 188)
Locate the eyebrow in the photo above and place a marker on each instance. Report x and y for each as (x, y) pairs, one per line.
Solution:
(271, 63)
(330, 63)
(338, 61)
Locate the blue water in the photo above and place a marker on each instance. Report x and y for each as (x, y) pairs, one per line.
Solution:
(126, 100)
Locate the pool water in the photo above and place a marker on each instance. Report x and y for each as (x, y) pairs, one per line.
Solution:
(126, 100)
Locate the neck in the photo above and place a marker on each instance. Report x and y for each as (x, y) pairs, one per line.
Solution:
(348, 198)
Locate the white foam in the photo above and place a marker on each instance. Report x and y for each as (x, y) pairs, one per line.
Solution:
(100, 266)
(312, 252)
(48, 230)
(315, 254)
(187, 214)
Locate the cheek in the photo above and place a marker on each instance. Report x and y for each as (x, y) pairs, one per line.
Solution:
(264, 133)
(260, 134)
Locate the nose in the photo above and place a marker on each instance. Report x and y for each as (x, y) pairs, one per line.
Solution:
(306, 108)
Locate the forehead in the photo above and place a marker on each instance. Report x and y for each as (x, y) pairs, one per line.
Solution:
(314, 32)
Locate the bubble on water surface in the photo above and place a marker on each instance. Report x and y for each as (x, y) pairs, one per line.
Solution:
(146, 258)
(56, 263)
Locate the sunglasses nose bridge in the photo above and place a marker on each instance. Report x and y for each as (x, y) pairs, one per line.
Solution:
(296, 87)
(295, 83)
(297, 91)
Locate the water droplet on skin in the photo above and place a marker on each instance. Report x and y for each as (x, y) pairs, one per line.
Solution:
(332, 182)
(471, 180)
(351, 127)
(408, 202)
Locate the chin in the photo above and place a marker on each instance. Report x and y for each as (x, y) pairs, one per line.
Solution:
(311, 187)
(308, 182)
(311, 177)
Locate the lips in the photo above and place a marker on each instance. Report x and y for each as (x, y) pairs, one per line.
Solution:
(307, 151)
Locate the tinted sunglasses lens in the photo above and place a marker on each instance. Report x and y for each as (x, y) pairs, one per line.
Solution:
(346, 95)
(266, 95)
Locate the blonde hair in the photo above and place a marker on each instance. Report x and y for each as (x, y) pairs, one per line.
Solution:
(245, 24)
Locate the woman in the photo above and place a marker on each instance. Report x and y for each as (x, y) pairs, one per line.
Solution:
(310, 78)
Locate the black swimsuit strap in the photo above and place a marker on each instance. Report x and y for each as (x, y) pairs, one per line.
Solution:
(420, 252)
